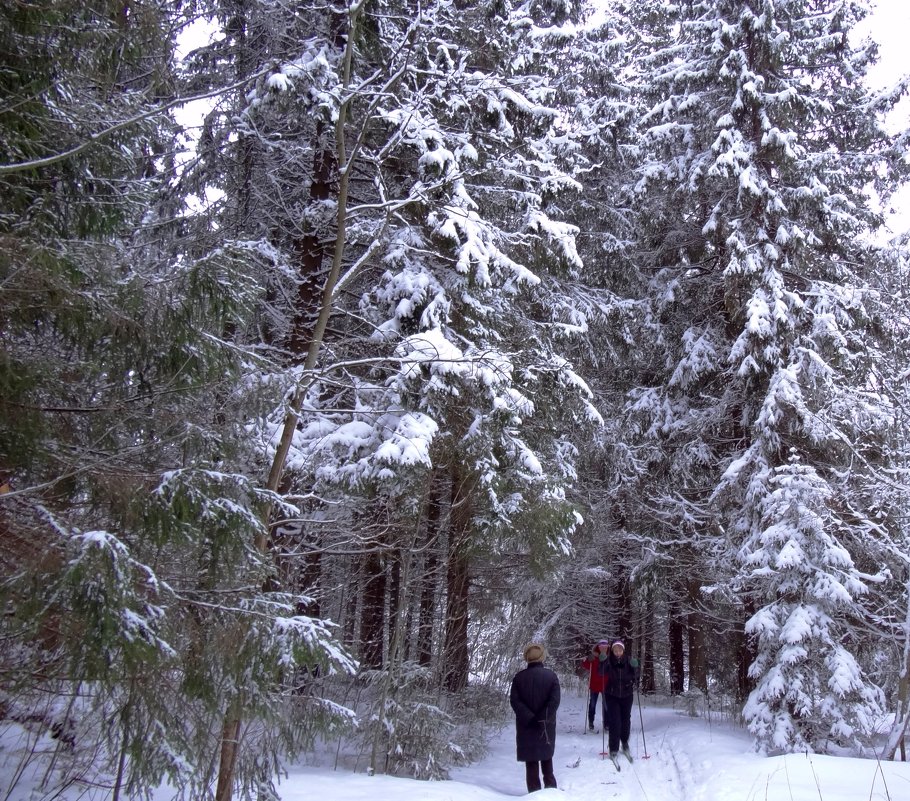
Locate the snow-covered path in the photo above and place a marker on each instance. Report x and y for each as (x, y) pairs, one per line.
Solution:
(690, 759)
(680, 753)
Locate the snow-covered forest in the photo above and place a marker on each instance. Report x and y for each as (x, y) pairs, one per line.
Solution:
(454, 324)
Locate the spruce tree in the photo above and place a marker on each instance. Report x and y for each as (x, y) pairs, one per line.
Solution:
(128, 516)
(761, 141)
(397, 190)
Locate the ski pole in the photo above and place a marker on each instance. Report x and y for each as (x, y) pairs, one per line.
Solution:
(642, 719)
(586, 695)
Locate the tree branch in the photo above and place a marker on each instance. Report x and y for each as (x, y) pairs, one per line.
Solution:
(47, 161)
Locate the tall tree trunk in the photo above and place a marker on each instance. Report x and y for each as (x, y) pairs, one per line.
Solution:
(622, 618)
(299, 561)
(430, 578)
(349, 605)
(230, 729)
(456, 637)
(628, 605)
(392, 679)
(456, 641)
(396, 617)
(312, 250)
(310, 573)
(372, 618)
(230, 746)
(677, 655)
(695, 634)
(646, 652)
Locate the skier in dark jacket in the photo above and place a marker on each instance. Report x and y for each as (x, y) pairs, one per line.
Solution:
(621, 679)
(534, 698)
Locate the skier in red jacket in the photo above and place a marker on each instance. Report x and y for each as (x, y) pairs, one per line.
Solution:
(596, 681)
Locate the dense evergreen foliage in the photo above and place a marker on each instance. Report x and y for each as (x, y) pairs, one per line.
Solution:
(461, 323)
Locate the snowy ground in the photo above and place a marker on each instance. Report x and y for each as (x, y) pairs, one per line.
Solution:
(690, 759)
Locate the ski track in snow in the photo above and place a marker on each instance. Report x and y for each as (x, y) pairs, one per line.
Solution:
(705, 758)
(672, 771)
(681, 784)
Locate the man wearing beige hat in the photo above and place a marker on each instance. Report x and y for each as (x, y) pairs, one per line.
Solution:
(534, 698)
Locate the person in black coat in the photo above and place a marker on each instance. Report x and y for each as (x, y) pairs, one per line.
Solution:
(620, 679)
(534, 698)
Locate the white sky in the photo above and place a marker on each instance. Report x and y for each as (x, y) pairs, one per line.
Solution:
(889, 25)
